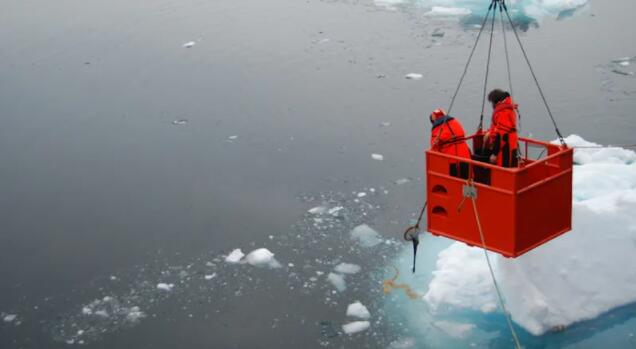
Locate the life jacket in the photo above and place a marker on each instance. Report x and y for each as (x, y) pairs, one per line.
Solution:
(448, 137)
(503, 133)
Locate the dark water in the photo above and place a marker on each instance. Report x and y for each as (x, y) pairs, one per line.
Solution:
(97, 181)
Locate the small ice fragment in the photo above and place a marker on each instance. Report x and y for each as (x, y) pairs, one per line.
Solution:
(180, 122)
(362, 194)
(402, 181)
(358, 310)
(323, 41)
(80, 332)
(317, 210)
(624, 63)
(102, 313)
(404, 343)
(233, 137)
(372, 190)
(378, 157)
(413, 76)
(134, 314)
(113, 278)
(385, 124)
(87, 311)
(365, 235)
(165, 287)
(9, 317)
(622, 72)
(335, 210)
(347, 268)
(356, 326)
(210, 276)
(189, 44)
(262, 257)
(454, 329)
(337, 281)
(235, 256)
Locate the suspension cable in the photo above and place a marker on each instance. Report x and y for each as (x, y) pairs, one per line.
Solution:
(470, 57)
(534, 76)
(483, 99)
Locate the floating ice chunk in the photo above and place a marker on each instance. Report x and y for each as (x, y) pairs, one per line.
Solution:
(9, 317)
(165, 287)
(454, 329)
(135, 314)
(233, 137)
(335, 211)
(317, 210)
(189, 44)
(210, 276)
(402, 181)
(323, 41)
(101, 312)
(385, 124)
(347, 268)
(378, 157)
(337, 281)
(87, 311)
(540, 293)
(361, 194)
(180, 122)
(358, 310)
(235, 256)
(365, 236)
(404, 343)
(590, 152)
(356, 326)
(442, 11)
(262, 257)
(413, 76)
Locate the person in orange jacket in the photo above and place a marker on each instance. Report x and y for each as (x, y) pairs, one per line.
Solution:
(448, 137)
(501, 137)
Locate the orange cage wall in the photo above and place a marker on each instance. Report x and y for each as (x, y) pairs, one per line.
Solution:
(519, 208)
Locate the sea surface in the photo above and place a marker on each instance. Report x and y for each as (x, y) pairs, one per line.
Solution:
(143, 141)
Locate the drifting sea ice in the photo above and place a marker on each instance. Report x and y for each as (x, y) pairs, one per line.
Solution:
(347, 268)
(262, 257)
(9, 317)
(337, 281)
(365, 236)
(189, 44)
(356, 326)
(577, 276)
(413, 76)
(358, 310)
(378, 157)
(440, 11)
(164, 286)
(235, 256)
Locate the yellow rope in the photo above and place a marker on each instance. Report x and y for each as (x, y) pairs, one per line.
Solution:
(389, 284)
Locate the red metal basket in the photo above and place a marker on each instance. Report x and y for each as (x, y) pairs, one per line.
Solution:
(519, 208)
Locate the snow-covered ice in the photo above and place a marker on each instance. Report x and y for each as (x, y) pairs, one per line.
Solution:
(9, 317)
(347, 268)
(235, 256)
(356, 326)
(317, 210)
(365, 236)
(358, 310)
(338, 281)
(575, 277)
(189, 44)
(413, 76)
(164, 286)
(378, 157)
(233, 137)
(262, 257)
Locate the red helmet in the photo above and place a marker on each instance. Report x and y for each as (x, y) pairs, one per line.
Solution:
(437, 113)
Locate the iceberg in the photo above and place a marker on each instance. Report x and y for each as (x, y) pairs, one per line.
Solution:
(577, 276)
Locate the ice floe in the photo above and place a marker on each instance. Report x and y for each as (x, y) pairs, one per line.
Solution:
(378, 157)
(575, 277)
(358, 310)
(365, 236)
(338, 281)
(235, 256)
(347, 268)
(9, 317)
(189, 44)
(165, 287)
(355, 327)
(262, 257)
(413, 76)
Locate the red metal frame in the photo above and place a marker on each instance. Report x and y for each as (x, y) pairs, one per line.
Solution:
(520, 209)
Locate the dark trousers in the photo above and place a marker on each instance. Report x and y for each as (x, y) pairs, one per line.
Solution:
(459, 170)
